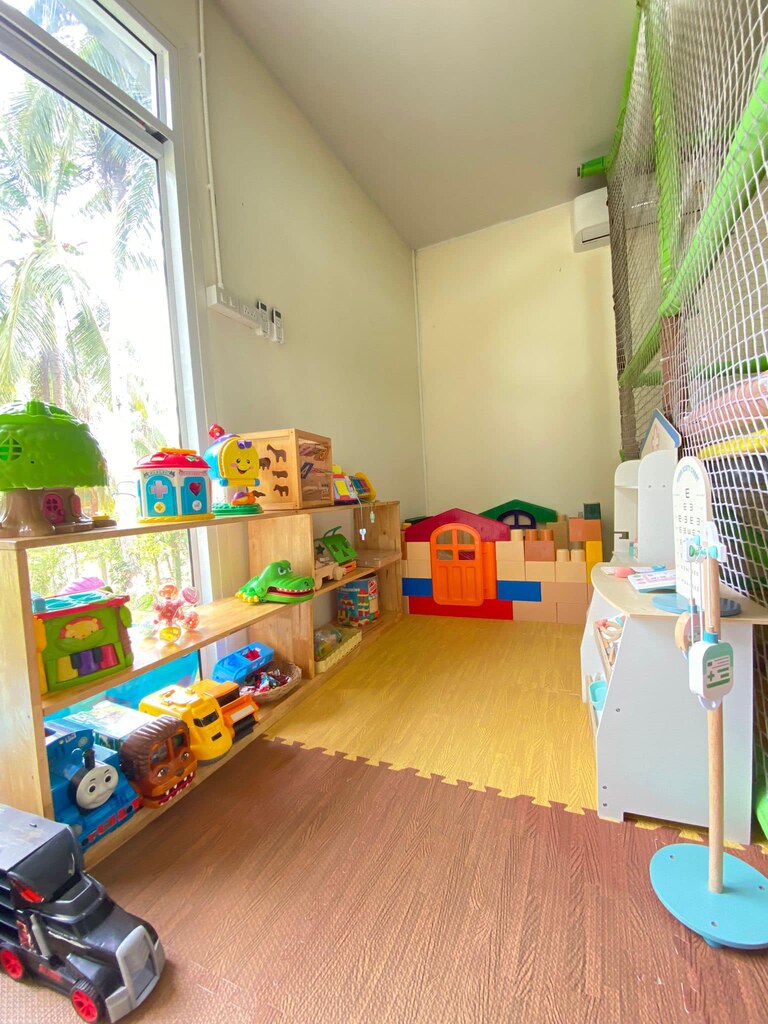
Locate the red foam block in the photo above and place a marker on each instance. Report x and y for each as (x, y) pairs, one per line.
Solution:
(492, 609)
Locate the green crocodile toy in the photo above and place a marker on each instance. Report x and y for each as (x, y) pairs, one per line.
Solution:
(278, 583)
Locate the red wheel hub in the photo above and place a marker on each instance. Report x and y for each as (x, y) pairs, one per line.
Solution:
(11, 964)
(85, 1007)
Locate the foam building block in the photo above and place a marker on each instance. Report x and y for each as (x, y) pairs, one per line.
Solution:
(594, 554)
(519, 590)
(539, 550)
(532, 611)
(417, 587)
(417, 551)
(571, 572)
(592, 511)
(567, 593)
(492, 609)
(559, 531)
(510, 571)
(417, 570)
(584, 529)
(510, 551)
(571, 614)
(540, 572)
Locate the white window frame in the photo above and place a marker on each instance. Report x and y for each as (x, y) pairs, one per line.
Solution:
(44, 57)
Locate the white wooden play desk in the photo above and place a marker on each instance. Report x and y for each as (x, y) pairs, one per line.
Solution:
(651, 738)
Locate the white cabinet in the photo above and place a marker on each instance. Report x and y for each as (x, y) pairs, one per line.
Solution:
(651, 738)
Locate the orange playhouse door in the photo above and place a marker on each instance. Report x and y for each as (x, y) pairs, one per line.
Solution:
(457, 566)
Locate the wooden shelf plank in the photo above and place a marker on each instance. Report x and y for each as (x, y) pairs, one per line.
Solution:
(217, 620)
(138, 529)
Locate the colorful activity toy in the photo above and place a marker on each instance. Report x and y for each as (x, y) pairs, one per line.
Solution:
(173, 611)
(58, 924)
(337, 546)
(233, 465)
(278, 582)
(88, 789)
(730, 908)
(81, 637)
(462, 564)
(173, 485)
(44, 454)
(294, 468)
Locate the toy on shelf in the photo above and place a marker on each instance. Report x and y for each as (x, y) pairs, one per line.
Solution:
(157, 759)
(173, 486)
(332, 643)
(239, 710)
(609, 635)
(273, 682)
(358, 602)
(58, 923)
(730, 907)
(291, 468)
(242, 665)
(233, 465)
(461, 564)
(344, 492)
(174, 612)
(335, 545)
(327, 571)
(44, 454)
(277, 582)
(209, 738)
(81, 637)
(88, 789)
(363, 487)
(111, 723)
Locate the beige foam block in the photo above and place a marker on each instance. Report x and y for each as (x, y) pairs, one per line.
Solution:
(510, 550)
(571, 614)
(418, 570)
(534, 611)
(540, 572)
(562, 555)
(406, 607)
(578, 555)
(560, 531)
(568, 593)
(417, 551)
(510, 570)
(570, 572)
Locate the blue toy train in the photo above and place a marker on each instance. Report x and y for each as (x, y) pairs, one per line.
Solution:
(90, 792)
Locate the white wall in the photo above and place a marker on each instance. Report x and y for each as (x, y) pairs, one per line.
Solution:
(519, 372)
(297, 231)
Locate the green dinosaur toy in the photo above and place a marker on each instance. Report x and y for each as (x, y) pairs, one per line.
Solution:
(278, 583)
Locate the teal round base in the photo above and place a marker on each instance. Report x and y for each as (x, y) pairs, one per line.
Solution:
(737, 917)
(674, 603)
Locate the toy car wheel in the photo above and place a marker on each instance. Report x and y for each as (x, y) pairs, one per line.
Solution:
(12, 964)
(87, 1003)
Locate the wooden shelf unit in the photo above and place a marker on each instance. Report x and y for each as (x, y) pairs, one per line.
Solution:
(24, 781)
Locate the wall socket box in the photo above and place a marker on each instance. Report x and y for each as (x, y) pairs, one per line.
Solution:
(255, 315)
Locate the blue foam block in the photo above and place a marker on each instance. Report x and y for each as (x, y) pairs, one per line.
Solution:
(416, 588)
(519, 590)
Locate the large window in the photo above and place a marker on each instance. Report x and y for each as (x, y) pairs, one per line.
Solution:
(86, 258)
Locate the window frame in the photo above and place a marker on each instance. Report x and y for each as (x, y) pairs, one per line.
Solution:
(41, 55)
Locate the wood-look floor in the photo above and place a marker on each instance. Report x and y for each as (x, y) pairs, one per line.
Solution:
(494, 703)
(302, 888)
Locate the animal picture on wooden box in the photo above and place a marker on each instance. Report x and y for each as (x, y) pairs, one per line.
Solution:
(158, 760)
(294, 467)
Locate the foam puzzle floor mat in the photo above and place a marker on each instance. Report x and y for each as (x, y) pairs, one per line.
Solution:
(301, 888)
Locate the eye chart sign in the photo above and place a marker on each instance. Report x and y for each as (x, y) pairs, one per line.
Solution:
(691, 509)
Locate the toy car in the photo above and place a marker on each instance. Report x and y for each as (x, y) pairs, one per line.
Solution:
(209, 738)
(238, 709)
(59, 924)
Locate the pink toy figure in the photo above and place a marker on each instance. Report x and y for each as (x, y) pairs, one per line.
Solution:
(174, 612)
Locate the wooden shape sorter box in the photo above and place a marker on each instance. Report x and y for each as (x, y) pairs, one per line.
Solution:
(295, 469)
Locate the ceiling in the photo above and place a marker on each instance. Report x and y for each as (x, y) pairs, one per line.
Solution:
(453, 115)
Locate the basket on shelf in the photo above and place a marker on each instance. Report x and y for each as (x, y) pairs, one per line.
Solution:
(350, 639)
(286, 668)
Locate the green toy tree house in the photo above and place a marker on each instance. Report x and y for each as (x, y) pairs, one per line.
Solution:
(45, 452)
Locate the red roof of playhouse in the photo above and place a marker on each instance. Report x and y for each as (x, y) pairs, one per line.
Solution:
(173, 458)
(487, 528)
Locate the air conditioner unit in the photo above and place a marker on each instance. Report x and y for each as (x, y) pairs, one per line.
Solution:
(589, 220)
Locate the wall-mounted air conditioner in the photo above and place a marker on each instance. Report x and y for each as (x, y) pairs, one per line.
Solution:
(589, 220)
